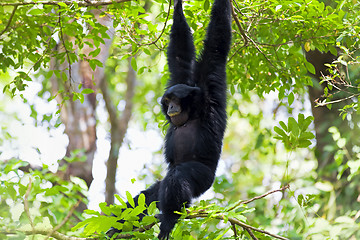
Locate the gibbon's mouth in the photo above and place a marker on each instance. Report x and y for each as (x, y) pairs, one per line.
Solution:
(173, 114)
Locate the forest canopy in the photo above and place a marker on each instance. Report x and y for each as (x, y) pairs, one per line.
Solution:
(80, 106)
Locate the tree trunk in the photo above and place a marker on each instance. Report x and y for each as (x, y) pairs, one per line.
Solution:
(324, 117)
(79, 118)
(119, 127)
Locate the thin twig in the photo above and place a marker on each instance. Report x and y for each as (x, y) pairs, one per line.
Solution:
(336, 101)
(64, 220)
(251, 234)
(235, 231)
(258, 48)
(63, 42)
(163, 30)
(236, 52)
(246, 226)
(266, 194)
(239, 223)
(26, 204)
(259, 197)
(9, 22)
(246, 37)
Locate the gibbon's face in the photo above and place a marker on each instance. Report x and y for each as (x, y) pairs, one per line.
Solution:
(178, 116)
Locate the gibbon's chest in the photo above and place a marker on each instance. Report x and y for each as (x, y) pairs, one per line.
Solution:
(185, 141)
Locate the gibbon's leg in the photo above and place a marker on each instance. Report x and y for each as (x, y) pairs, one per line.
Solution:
(182, 183)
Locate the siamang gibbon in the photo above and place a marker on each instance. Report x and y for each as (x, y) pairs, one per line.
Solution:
(194, 104)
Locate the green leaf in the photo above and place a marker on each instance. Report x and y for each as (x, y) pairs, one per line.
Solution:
(81, 98)
(148, 220)
(307, 135)
(310, 67)
(141, 200)
(152, 208)
(304, 143)
(94, 62)
(137, 210)
(64, 76)
(297, 18)
(232, 89)
(290, 98)
(87, 91)
(146, 51)
(36, 11)
(61, 4)
(206, 5)
(75, 96)
(79, 225)
(279, 131)
(130, 199)
(104, 208)
(133, 63)
(95, 52)
(283, 125)
(122, 202)
(305, 124)
(333, 50)
(293, 126)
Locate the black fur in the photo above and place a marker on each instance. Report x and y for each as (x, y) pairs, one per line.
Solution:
(193, 147)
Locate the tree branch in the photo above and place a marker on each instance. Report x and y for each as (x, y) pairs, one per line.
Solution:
(234, 230)
(234, 221)
(246, 226)
(259, 197)
(130, 91)
(88, 3)
(119, 127)
(322, 104)
(55, 235)
(9, 22)
(251, 233)
(111, 109)
(266, 194)
(242, 32)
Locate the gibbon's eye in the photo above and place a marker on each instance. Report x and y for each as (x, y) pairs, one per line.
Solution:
(165, 101)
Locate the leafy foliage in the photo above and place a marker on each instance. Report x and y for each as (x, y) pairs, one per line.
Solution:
(270, 39)
(37, 199)
(295, 134)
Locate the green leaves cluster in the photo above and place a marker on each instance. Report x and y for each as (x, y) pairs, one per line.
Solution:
(295, 134)
(37, 30)
(199, 220)
(270, 59)
(281, 32)
(36, 200)
(96, 223)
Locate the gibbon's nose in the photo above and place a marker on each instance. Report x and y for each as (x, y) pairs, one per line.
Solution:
(173, 109)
